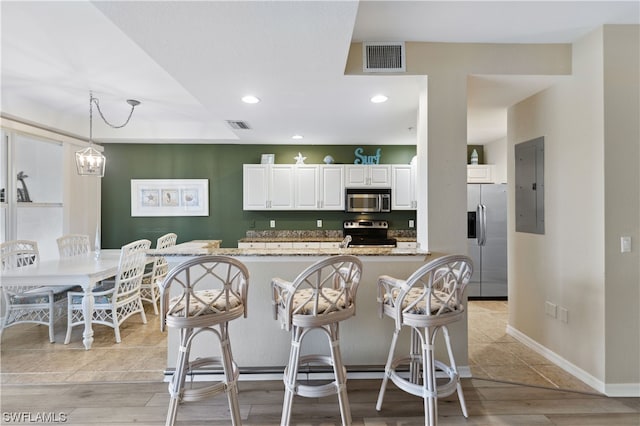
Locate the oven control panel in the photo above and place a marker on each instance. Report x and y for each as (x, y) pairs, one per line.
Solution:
(365, 224)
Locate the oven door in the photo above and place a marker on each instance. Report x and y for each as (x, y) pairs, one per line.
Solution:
(363, 203)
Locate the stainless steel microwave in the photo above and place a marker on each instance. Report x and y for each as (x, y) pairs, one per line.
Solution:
(367, 200)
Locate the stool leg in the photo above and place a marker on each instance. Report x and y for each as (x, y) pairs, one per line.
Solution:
(415, 353)
(452, 364)
(387, 369)
(339, 372)
(429, 379)
(227, 363)
(291, 374)
(177, 381)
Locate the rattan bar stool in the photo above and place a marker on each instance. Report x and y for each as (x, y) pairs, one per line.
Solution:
(429, 300)
(212, 292)
(318, 299)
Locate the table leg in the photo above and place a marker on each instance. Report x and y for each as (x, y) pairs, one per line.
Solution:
(87, 312)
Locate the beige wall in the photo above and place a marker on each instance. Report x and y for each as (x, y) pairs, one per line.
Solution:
(495, 152)
(577, 263)
(622, 205)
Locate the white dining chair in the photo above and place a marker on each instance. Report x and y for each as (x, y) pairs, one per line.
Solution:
(29, 304)
(149, 291)
(114, 301)
(71, 245)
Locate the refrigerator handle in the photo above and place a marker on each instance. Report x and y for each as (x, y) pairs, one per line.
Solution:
(483, 224)
(479, 224)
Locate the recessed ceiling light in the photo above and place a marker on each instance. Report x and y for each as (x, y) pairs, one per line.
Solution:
(379, 99)
(250, 99)
(297, 137)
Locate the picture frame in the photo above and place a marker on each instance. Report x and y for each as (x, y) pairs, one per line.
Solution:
(169, 197)
(267, 159)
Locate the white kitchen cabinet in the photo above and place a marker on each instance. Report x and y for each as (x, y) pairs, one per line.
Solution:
(368, 175)
(306, 244)
(307, 187)
(289, 186)
(268, 187)
(319, 187)
(406, 244)
(330, 244)
(403, 187)
(480, 173)
(331, 187)
(251, 244)
(279, 245)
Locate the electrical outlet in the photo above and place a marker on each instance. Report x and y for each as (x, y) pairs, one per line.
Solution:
(411, 223)
(272, 223)
(563, 314)
(319, 223)
(550, 309)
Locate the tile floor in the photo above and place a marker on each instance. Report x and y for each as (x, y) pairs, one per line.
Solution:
(26, 355)
(493, 354)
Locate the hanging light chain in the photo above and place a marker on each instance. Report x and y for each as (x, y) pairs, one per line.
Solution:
(131, 102)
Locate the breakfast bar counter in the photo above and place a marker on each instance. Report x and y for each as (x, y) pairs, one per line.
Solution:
(260, 345)
(212, 247)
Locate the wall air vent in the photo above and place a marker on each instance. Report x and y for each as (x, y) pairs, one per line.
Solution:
(383, 57)
(238, 124)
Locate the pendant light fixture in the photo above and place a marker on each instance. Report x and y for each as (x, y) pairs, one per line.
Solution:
(90, 161)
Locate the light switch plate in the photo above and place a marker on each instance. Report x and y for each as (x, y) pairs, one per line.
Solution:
(625, 244)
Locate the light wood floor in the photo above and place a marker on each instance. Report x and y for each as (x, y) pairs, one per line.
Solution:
(488, 403)
(121, 384)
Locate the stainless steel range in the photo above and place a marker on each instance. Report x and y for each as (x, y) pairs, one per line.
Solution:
(367, 233)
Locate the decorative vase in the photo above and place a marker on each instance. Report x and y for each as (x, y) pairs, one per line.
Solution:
(474, 157)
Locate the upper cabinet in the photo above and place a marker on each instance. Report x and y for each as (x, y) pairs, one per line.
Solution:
(322, 186)
(293, 186)
(331, 187)
(370, 175)
(319, 187)
(403, 188)
(268, 187)
(480, 173)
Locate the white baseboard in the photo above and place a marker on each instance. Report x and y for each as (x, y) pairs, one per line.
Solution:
(612, 390)
(622, 390)
(464, 372)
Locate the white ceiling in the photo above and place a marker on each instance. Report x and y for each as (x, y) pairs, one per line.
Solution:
(189, 63)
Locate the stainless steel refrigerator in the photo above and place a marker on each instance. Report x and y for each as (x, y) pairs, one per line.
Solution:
(487, 240)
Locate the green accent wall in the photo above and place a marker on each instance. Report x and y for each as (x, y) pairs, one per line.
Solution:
(222, 165)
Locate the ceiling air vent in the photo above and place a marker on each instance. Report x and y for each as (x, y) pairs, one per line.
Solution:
(238, 124)
(383, 57)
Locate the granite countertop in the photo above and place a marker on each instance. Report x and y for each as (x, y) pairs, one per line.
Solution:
(211, 247)
(313, 236)
(305, 239)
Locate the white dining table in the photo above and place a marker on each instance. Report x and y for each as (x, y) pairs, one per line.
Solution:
(84, 270)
